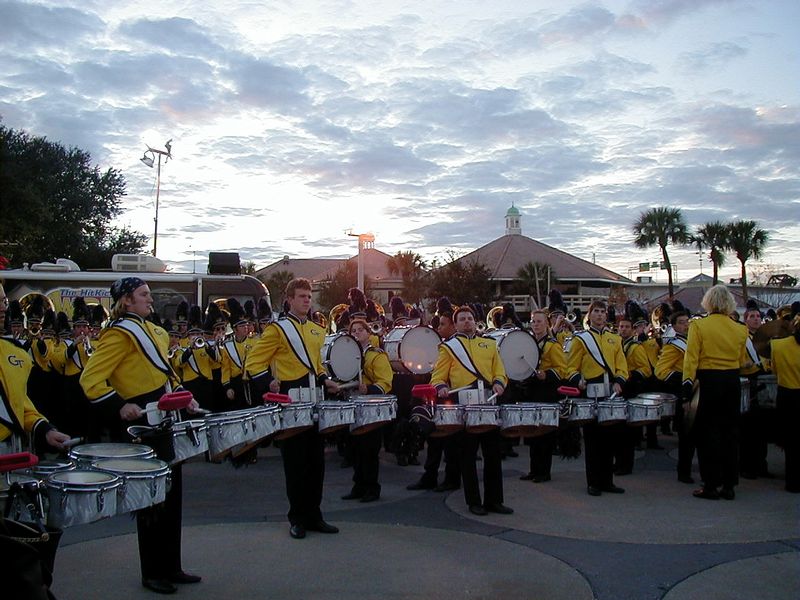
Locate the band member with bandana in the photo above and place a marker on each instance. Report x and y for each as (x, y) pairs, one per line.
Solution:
(291, 347)
(541, 387)
(376, 379)
(596, 356)
(785, 355)
(18, 416)
(128, 370)
(715, 351)
(669, 371)
(464, 360)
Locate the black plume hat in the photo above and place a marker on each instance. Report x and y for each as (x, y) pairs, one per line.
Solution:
(264, 311)
(14, 313)
(236, 314)
(182, 312)
(35, 310)
(49, 321)
(195, 319)
(80, 312)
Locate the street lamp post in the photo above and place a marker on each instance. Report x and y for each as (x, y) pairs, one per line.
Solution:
(365, 240)
(149, 160)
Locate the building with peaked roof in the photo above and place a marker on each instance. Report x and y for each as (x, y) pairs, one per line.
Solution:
(577, 279)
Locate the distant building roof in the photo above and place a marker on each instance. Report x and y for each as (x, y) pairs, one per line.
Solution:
(691, 296)
(317, 269)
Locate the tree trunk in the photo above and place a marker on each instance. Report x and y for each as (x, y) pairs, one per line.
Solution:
(744, 282)
(715, 280)
(669, 272)
(536, 277)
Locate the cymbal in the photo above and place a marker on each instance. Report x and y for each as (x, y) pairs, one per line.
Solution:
(779, 328)
(691, 411)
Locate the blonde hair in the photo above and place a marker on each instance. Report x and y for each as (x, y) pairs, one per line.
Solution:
(719, 300)
(119, 309)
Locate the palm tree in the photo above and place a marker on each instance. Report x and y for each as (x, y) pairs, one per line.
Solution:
(536, 277)
(659, 227)
(748, 241)
(714, 237)
(411, 267)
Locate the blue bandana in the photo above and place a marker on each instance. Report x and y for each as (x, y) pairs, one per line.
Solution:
(125, 286)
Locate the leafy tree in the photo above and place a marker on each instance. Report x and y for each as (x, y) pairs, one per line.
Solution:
(248, 268)
(714, 238)
(334, 289)
(747, 241)
(659, 227)
(276, 284)
(56, 204)
(461, 281)
(411, 267)
(534, 279)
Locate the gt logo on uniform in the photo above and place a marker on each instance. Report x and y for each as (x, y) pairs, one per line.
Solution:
(14, 361)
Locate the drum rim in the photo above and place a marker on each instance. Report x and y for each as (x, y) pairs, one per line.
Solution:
(160, 467)
(54, 481)
(79, 452)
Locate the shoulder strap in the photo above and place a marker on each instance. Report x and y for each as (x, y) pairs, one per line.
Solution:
(678, 343)
(594, 350)
(233, 352)
(462, 355)
(295, 342)
(145, 343)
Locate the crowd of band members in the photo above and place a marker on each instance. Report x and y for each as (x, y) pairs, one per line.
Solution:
(229, 358)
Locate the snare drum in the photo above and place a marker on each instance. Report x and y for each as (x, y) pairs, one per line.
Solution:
(305, 394)
(667, 401)
(189, 438)
(144, 481)
(610, 412)
(767, 391)
(46, 467)
(448, 419)
(372, 412)
(81, 496)
(226, 430)
(333, 416)
(16, 508)
(412, 349)
(580, 411)
(473, 396)
(86, 454)
(480, 418)
(529, 419)
(341, 356)
(642, 411)
(296, 417)
(518, 351)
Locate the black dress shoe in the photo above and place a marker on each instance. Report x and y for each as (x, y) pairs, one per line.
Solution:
(159, 586)
(370, 497)
(420, 485)
(298, 532)
(498, 508)
(593, 491)
(446, 487)
(612, 489)
(181, 577)
(352, 496)
(322, 527)
(528, 477)
(727, 493)
(706, 494)
(477, 509)
(541, 479)
(685, 478)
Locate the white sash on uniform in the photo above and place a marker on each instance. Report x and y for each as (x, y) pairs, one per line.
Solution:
(296, 342)
(460, 352)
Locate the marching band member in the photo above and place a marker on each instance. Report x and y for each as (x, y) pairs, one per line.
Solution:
(541, 387)
(292, 345)
(448, 446)
(463, 360)
(596, 356)
(669, 371)
(376, 379)
(128, 370)
(18, 415)
(15, 324)
(234, 355)
(786, 366)
(754, 424)
(264, 316)
(639, 372)
(715, 351)
(73, 357)
(198, 361)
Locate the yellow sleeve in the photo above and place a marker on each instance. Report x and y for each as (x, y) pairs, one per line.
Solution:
(378, 370)
(691, 357)
(258, 360)
(441, 370)
(112, 347)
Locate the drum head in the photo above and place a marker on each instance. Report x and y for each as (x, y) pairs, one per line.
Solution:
(418, 348)
(341, 356)
(130, 465)
(81, 477)
(518, 351)
(95, 451)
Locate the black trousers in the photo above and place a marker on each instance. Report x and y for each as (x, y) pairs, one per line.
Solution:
(686, 446)
(159, 531)
(753, 427)
(304, 469)
(449, 447)
(599, 444)
(716, 427)
(203, 391)
(788, 415)
(489, 443)
(366, 450)
(541, 453)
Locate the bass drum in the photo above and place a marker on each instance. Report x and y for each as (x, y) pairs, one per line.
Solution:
(412, 349)
(341, 357)
(518, 351)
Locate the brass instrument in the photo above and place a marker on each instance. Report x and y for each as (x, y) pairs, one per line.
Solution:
(172, 352)
(663, 328)
(490, 324)
(320, 319)
(571, 317)
(35, 330)
(199, 342)
(480, 326)
(376, 328)
(333, 316)
(87, 346)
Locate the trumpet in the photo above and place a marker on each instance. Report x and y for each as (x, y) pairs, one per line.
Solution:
(480, 327)
(34, 330)
(87, 346)
(199, 342)
(663, 328)
(172, 352)
(376, 328)
(571, 317)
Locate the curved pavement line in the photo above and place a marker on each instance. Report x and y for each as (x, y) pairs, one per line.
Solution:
(656, 509)
(250, 560)
(771, 577)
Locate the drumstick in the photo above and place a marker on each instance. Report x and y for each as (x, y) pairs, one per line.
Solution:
(347, 386)
(490, 398)
(72, 442)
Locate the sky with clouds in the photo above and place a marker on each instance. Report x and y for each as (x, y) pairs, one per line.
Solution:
(422, 122)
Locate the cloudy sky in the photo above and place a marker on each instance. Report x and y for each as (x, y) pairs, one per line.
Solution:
(421, 122)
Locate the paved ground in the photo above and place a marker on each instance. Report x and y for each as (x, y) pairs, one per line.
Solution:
(655, 541)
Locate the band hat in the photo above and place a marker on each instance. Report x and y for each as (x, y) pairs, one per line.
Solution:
(123, 287)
